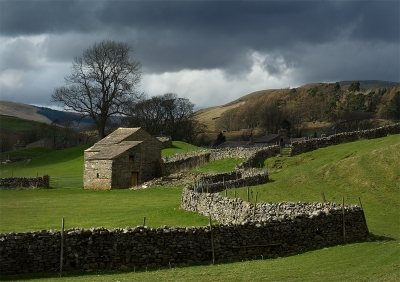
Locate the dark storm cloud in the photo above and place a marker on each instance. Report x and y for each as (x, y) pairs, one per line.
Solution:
(176, 35)
(33, 17)
(206, 50)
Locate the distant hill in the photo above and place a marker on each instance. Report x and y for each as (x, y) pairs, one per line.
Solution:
(61, 115)
(210, 116)
(22, 111)
(39, 114)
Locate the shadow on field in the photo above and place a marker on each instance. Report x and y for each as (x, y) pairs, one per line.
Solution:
(377, 238)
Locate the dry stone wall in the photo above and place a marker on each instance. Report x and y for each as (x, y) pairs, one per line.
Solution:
(236, 179)
(25, 182)
(300, 147)
(6, 160)
(237, 211)
(100, 248)
(182, 162)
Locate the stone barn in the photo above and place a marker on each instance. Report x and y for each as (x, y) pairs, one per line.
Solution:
(125, 158)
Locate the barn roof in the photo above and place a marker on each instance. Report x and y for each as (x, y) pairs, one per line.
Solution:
(111, 151)
(266, 138)
(117, 136)
(233, 144)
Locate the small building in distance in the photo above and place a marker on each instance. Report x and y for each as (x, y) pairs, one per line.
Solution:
(165, 140)
(273, 139)
(44, 142)
(235, 144)
(125, 158)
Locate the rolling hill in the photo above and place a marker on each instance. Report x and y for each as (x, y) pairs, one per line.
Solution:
(294, 96)
(39, 114)
(22, 111)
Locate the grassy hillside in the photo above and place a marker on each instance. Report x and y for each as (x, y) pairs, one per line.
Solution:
(303, 107)
(22, 111)
(210, 116)
(369, 169)
(179, 147)
(62, 163)
(17, 124)
(26, 152)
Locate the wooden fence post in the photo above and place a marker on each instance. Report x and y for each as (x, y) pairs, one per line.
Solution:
(255, 206)
(62, 247)
(144, 221)
(323, 197)
(212, 242)
(343, 221)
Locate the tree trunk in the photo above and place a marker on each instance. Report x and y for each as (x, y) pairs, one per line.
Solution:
(101, 132)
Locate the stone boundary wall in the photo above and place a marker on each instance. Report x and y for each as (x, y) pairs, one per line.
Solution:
(218, 183)
(237, 211)
(25, 182)
(99, 248)
(300, 147)
(12, 160)
(182, 162)
(260, 156)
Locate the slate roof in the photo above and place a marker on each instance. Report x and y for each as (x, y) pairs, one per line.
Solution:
(117, 136)
(113, 145)
(234, 144)
(111, 151)
(267, 138)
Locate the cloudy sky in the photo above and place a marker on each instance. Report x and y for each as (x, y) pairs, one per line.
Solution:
(210, 52)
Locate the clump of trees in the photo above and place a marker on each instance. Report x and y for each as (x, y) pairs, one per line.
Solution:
(166, 114)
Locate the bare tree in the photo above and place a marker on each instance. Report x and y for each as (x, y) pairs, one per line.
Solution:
(227, 120)
(103, 83)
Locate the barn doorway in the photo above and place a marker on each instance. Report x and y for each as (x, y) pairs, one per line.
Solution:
(134, 178)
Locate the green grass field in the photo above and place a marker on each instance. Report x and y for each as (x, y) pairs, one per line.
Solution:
(369, 169)
(26, 153)
(179, 147)
(17, 124)
(224, 165)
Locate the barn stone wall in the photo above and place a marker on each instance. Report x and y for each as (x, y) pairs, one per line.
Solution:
(97, 174)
